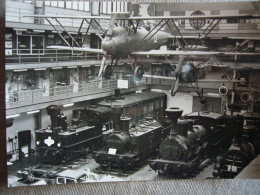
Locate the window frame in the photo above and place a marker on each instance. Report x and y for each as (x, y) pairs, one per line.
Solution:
(31, 50)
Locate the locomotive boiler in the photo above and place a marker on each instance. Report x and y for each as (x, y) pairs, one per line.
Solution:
(245, 147)
(187, 149)
(129, 145)
(62, 142)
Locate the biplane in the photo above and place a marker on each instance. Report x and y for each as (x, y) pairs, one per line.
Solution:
(126, 37)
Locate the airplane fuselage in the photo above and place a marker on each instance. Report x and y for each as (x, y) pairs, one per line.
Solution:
(123, 41)
(188, 73)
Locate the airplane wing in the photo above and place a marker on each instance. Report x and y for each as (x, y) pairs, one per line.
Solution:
(199, 80)
(196, 37)
(191, 53)
(238, 16)
(69, 17)
(90, 50)
(245, 38)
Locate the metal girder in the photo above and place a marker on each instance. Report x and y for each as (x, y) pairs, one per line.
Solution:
(199, 38)
(99, 25)
(79, 31)
(89, 23)
(174, 35)
(67, 32)
(172, 65)
(179, 33)
(86, 32)
(58, 32)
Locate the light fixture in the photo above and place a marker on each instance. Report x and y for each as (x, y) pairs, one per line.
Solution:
(84, 66)
(40, 69)
(56, 68)
(72, 67)
(67, 105)
(73, 33)
(34, 111)
(12, 116)
(20, 70)
(20, 29)
(213, 94)
(38, 30)
(156, 90)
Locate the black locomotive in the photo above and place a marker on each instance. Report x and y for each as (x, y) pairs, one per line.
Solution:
(191, 142)
(62, 142)
(245, 146)
(128, 146)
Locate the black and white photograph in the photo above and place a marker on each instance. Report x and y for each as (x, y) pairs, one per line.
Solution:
(118, 91)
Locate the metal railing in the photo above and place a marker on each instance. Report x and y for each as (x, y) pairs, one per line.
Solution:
(46, 55)
(36, 96)
(16, 14)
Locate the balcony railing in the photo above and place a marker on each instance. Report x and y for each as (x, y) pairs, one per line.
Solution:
(16, 14)
(46, 55)
(36, 96)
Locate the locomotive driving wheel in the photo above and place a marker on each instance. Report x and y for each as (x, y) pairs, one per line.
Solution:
(104, 164)
(30, 177)
(160, 171)
(50, 174)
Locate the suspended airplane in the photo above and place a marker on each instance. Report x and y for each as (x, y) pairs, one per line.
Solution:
(131, 39)
(193, 66)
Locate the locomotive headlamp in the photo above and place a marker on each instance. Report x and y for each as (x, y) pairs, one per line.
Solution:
(59, 144)
(38, 143)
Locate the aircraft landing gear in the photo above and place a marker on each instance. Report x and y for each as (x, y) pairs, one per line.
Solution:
(138, 73)
(200, 92)
(107, 71)
(203, 100)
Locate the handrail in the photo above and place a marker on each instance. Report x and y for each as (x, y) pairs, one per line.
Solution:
(14, 14)
(29, 97)
(45, 55)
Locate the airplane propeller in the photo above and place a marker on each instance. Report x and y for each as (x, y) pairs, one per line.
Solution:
(175, 88)
(108, 36)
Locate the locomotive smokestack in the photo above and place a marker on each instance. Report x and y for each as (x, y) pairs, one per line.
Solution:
(125, 125)
(173, 114)
(116, 113)
(53, 111)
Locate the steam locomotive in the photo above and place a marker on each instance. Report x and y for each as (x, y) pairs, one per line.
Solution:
(128, 146)
(62, 142)
(245, 146)
(191, 142)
